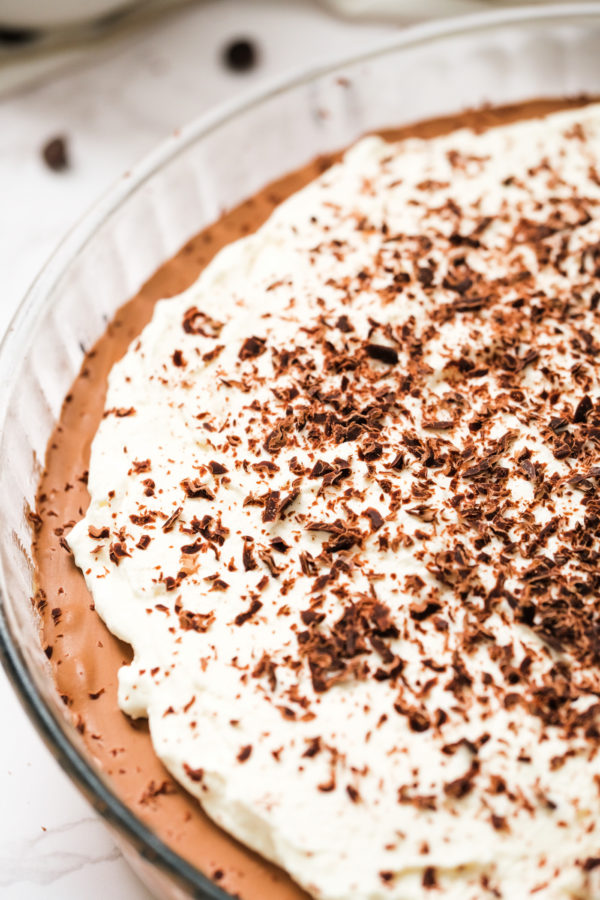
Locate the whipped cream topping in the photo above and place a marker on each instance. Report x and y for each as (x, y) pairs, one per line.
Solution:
(344, 508)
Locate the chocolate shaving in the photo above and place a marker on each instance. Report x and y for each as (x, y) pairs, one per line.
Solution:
(252, 347)
(197, 322)
(271, 507)
(196, 775)
(118, 551)
(196, 489)
(247, 556)
(462, 786)
(193, 621)
(320, 468)
(374, 517)
(245, 616)
(168, 525)
(245, 753)
(382, 353)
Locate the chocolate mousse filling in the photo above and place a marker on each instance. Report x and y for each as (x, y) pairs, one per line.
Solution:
(85, 657)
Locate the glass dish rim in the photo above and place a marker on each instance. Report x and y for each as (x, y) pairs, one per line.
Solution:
(71, 759)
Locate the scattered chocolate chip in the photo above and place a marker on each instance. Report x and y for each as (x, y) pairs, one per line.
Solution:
(55, 154)
(240, 55)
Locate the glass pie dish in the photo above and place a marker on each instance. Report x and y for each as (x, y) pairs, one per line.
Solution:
(426, 71)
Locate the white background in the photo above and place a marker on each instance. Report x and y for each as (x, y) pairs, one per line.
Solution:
(114, 106)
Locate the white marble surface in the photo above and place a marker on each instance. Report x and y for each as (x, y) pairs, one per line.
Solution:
(114, 105)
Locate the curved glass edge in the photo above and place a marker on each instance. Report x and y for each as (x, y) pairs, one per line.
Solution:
(150, 847)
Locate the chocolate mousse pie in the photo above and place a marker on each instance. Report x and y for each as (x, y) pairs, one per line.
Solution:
(318, 540)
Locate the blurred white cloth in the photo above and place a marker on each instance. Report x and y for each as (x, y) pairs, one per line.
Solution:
(61, 13)
(64, 31)
(56, 13)
(67, 27)
(411, 10)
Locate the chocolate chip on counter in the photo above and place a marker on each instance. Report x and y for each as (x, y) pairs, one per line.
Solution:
(55, 154)
(240, 55)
